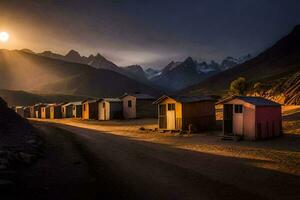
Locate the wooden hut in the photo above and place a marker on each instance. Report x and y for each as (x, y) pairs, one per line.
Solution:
(20, 110)
(252, 118)
(77, 109)
(45, 111)
(26, 112)
(32, 112)
(110, 108)
(55, 111)
(67, 110)
(38, 110)
(138, 106)
(185, 113)
(90, 109)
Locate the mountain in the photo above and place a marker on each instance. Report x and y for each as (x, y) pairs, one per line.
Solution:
(280, 60)
(31, 72)
(230, 62)
(150, 73)
(178, 75)
(97, 61)
(137, 71)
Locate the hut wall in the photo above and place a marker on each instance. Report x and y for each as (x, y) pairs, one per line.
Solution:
(55, 112)
(116, 110)
(145, 109)
(27, 112)
(200, 114)
(43, 113)
(268, 122)
(32, 112)
(90, 110)
(104, 110)
(67, 111)
(77, 111)
(129, 112)
(85, 110)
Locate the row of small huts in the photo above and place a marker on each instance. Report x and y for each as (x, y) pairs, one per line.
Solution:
(250, 117)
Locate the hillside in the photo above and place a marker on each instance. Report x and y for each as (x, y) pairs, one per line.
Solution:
(20, 70)
(283, 58)
(99, 83)
(30, 72)
(22, 98)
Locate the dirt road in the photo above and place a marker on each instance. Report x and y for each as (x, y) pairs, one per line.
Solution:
(121, 167)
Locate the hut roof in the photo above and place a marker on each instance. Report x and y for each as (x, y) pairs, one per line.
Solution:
(185, 99)
(90, 101)
(257, 101)
(111, 99)
(77, 103)
(139, 96)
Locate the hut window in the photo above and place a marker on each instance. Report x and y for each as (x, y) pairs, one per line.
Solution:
(84, 105)
(171, 106)
(238, 108)
(129, 104)
(103, 105)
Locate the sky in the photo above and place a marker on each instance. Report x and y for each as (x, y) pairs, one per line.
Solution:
(150, 33)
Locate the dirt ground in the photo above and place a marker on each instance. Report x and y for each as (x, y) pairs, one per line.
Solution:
(117, 158)
(280, 154)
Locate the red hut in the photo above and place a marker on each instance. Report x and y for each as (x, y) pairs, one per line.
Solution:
(252, 118)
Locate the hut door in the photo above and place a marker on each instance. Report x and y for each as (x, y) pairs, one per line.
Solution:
(171, 118)
(162, 116)
(227, 116)
(238, 120)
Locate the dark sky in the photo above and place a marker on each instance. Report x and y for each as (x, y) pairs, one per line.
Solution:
(150, 33)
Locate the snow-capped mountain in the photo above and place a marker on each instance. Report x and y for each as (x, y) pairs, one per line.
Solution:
(178, 75)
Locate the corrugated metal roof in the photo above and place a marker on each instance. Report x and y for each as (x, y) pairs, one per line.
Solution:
(257, 101)
(186, 99)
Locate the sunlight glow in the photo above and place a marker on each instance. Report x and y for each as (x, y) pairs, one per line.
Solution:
(4, 37)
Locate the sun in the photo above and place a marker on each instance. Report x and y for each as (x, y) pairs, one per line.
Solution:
(4, 37)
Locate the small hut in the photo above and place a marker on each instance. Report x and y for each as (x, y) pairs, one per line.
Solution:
(67, 110)
(77, 109)
(32, 112)
(26, 112)
(186, 113)
(45, 111)
(252, 118)
(20, 110)
(90, 109)
(138, 106)
(110, 108)
(38, 110)
(55, 111)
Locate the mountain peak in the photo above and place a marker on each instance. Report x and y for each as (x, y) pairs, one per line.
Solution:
(73, 53)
